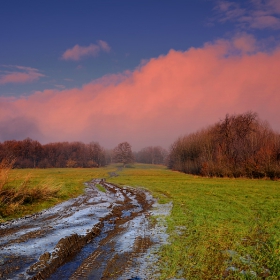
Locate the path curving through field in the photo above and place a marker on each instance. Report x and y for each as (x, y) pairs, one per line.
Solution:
(98, 235)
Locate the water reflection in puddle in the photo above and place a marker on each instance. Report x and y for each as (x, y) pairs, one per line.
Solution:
(122, 238)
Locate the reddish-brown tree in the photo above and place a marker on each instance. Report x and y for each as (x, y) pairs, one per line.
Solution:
(123, 154)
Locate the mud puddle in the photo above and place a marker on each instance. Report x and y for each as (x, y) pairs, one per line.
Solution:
(98, 235)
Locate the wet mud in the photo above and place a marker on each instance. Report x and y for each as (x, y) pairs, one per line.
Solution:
(98, 235)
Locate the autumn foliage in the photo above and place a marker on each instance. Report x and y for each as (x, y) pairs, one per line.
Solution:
(239, 145)
(123, 154)
(31, 154)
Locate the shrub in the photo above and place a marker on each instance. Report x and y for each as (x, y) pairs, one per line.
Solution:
(13, 196)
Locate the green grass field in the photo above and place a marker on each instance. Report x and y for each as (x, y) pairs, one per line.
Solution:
(219, 228)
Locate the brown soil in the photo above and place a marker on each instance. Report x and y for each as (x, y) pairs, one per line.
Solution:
(95, 254)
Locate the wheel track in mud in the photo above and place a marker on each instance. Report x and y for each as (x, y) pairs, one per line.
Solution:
(115, 261)
(90, 268)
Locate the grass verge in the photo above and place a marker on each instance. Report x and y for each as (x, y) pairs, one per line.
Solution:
(33, 190)
(219, 228)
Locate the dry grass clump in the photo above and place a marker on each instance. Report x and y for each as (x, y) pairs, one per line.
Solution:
(14, 195)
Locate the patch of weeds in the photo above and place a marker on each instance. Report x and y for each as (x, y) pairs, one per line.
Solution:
(14, 197)
(69, 180)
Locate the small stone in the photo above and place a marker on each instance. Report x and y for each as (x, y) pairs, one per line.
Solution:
(265, 273)
(231, 268)
(231, 253)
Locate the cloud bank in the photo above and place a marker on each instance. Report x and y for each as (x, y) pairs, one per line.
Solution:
(18, 74)
(78, 52)
(169, 96)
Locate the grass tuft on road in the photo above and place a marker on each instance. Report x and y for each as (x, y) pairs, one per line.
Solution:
(100, 188)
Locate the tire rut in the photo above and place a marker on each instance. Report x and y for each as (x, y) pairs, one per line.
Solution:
(95, 236)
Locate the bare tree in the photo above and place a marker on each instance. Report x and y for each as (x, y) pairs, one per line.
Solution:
(123, 153)
(97, 154)
(152, 155)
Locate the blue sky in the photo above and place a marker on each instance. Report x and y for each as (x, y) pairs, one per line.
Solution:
(55, 47)
(36, 33)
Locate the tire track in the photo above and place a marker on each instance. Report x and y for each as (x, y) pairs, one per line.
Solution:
(95, 236)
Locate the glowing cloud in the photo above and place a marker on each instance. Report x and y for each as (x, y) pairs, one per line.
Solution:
(19, 74)
(166, 97)
(77, 52)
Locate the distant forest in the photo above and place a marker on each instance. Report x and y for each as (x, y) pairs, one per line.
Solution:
(237, 146)
(30, 153)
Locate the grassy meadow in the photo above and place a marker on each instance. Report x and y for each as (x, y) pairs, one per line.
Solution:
(58, 184)
(219, 228)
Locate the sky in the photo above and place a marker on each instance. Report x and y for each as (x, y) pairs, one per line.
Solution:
(141, 71)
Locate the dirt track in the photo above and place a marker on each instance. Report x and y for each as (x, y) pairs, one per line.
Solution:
(99, 235)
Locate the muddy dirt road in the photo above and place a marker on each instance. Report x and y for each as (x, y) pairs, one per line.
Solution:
(99, 235)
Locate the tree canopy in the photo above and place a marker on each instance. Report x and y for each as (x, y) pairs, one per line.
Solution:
(238, 145)
(123, 153)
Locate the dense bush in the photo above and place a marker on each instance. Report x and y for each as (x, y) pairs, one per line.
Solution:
(239, 145)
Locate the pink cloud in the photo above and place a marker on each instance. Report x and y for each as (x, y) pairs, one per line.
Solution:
(104, 46)
(266, 21)
(258, 15)
(245, 43)
(275, 5)
(166, 97)
(77, 52)
(19, 74)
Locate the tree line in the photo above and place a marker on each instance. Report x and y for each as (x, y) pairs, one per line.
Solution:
(236, 146)
(30, 153)
(239, 145)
